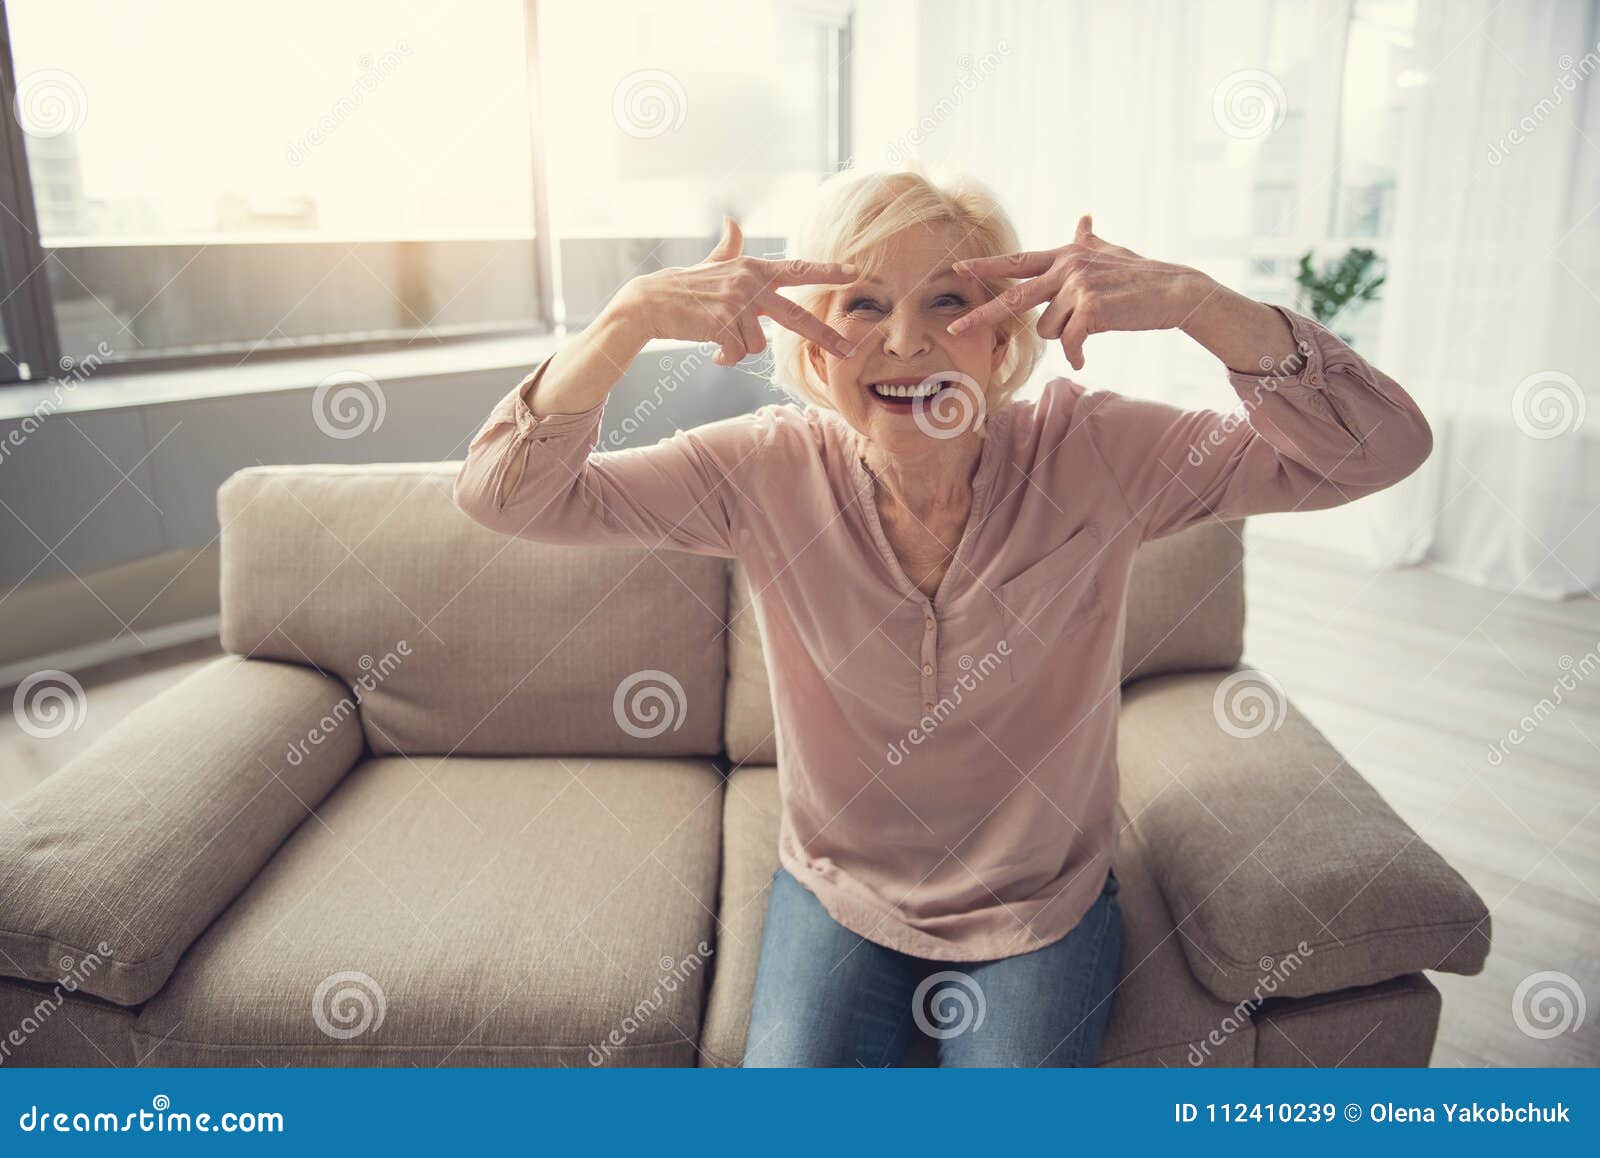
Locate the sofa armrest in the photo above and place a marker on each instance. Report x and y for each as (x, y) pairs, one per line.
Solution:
(1287, 873)
(112, 866)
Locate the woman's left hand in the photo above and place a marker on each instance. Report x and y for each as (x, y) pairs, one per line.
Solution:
(1092, 287)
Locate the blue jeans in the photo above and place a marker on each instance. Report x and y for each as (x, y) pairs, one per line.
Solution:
(828, 997)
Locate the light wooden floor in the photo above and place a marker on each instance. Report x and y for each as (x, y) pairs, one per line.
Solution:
(1412, 676)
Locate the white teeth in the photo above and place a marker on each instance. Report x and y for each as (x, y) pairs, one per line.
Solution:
(920, 390)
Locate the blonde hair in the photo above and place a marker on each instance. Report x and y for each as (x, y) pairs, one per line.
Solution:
(852, 215)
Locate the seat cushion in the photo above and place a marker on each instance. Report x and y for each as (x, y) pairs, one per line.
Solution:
(465, 911)
(1159, 1016)
(749, 858)
(1185, 610)
(462, 641)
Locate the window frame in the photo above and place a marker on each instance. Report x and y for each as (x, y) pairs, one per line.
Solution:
(28, 312)
(32, 348)
(34, 335)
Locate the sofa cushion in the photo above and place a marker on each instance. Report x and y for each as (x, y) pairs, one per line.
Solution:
(465, 911)
(750, 731)
(1185, 606)
(59, 1025)
(119, 859)
(1185, 610)
(1159, 1014)
(462, 641)
(1389, 1024)
(1262, 838)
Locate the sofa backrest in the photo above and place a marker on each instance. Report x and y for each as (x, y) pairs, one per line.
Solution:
(457, 639)
(1185, 611)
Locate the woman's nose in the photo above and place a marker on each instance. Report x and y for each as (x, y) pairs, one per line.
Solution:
(904, 336)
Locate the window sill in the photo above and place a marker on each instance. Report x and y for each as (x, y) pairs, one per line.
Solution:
(514, 356)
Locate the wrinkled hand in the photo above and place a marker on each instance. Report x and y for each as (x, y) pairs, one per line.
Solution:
(723, 297)
(1092, 287)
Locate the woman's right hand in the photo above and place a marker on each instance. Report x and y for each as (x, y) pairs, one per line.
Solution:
(722, 298)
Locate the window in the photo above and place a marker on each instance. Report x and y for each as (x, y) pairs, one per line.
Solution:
(196, 188)
(702, 108)
(1377, 72)
(204, 186)
(1325, 178)
(1290, 189)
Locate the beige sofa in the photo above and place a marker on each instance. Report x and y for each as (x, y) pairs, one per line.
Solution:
(403, 823)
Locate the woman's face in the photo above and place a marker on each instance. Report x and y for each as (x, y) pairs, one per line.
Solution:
(895, 324)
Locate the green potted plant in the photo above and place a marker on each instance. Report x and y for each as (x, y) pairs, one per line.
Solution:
(1327, 292)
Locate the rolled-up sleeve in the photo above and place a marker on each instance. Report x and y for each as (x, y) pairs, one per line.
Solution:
(1324, 430)
(541, 478)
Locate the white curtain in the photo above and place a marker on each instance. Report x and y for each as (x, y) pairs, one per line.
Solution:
(1112, 109)
(1066, 108)
(1493, 316)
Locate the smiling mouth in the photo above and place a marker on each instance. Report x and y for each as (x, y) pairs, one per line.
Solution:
(906, 394)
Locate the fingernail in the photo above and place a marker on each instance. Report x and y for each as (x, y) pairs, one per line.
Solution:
(849, 269)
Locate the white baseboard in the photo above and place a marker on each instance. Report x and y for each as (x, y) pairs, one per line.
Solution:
(76, 658)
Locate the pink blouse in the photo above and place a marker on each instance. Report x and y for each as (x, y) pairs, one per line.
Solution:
(947, 766)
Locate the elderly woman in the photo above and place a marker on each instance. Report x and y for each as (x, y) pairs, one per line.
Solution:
(938, 570)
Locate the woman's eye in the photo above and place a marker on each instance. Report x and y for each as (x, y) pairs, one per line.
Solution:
(942, 301)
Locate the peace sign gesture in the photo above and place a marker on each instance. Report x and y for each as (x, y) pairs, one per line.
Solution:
(722, 299)
(1092, 287)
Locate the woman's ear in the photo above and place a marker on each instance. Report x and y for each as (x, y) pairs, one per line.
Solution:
(815, 357)
(998, 354)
